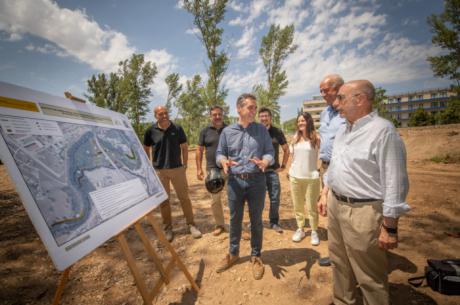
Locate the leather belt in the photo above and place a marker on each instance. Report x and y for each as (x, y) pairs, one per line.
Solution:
(246, 176)
(351, 200)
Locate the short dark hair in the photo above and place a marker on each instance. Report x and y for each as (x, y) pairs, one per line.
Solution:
(265, 109)
(243, 97)
(215, 107)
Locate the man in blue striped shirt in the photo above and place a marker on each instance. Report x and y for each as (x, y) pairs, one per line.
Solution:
(245, 150)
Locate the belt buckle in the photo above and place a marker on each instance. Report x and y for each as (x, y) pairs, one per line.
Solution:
(349, 200)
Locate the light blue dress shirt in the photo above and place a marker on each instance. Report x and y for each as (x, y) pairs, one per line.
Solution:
(330, 123)
(242, 144)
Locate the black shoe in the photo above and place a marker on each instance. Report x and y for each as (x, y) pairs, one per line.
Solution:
(325, 261)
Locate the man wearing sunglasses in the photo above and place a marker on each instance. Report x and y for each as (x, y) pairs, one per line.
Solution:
(364, 195)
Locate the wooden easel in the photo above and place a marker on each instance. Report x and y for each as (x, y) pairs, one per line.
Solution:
(147, 296)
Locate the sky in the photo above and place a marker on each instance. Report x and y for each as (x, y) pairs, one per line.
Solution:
(56, 46)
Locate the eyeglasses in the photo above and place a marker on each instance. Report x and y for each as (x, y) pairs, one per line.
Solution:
(341, 97)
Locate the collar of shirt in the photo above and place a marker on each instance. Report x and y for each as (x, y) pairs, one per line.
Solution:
(221, 127)
(361, 122)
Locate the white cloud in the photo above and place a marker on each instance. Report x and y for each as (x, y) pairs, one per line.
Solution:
(72, 31)
(193, 31)
(166, 64)
(352, 41)
(46, 49)
(243, 81)
(256, 8)
(292, 12)
(245, 45)
(237, 7)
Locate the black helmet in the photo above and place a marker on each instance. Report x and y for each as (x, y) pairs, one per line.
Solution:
(214, 181)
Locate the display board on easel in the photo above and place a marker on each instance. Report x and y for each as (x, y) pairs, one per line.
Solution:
(80, 170)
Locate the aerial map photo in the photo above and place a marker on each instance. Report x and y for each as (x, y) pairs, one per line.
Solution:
(64, 173)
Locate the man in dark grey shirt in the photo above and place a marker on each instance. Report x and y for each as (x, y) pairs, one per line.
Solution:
(245, 150)
(209, 138)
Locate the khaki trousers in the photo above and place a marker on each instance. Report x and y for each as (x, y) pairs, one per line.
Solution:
(353, 233)
(305, 191)
(179, 181)
(217, 209)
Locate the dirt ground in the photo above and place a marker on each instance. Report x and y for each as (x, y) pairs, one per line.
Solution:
(292, 274)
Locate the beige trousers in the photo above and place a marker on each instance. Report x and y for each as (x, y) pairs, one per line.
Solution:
(217, 209)
(305, 191)
(353, 233)
(179, 181)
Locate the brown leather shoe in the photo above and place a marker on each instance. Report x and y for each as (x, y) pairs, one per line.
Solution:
(257, 267)
(246, 235)
(227, 262)
(218, 230)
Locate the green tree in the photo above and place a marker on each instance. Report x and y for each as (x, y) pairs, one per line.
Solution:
(104, 92)
(290, 126)
(451, 114)
(126, 91)
(421, 118)
(445, 28)
(192, 109)
(174, 89)
(136, 78)
(275, 48)
(207, 16)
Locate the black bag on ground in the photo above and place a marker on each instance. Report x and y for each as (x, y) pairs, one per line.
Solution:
(441, 275)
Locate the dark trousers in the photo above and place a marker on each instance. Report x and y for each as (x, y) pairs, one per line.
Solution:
(273, 188)
(252, 190)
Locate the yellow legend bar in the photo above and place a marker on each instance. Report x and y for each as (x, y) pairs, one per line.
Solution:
(8, 102)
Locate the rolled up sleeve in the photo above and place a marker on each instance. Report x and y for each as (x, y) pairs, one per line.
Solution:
(268, 151)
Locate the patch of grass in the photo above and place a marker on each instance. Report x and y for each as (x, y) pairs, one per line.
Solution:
(447, 158)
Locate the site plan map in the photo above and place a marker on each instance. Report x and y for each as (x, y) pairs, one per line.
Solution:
(82, 166)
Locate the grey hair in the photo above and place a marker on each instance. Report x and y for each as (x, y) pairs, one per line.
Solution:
(335, 80)
(243, 97)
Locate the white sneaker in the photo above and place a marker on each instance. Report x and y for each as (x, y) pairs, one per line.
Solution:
(194, 231)
(314, 238)
(298, 235)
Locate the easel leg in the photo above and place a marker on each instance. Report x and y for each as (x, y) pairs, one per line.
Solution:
(62, 281)
(165, 242)
(134, 270)
(151, 251)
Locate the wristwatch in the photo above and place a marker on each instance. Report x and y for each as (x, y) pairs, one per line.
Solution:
(389, 230)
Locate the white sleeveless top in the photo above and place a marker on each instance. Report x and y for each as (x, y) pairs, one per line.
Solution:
(304, 158)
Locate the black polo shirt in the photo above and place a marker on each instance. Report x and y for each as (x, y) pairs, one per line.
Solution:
(278, 139)
(209, 138)
(166, 145)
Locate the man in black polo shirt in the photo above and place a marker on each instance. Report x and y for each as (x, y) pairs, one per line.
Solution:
(271, 174)
(169, 142)
(209, 138)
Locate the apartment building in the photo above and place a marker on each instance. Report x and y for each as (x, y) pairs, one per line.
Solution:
(401, 106)
(314, 106)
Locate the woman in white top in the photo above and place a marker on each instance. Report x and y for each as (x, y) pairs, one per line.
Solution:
(304, 176)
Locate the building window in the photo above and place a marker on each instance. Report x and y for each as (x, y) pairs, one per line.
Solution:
(434, 104)
(442, 104)
(434, 95)
(411, 106)
(399, 107)
(443, 94)
(411, 98)
(420, 97)
(420, 105)
(399, 100)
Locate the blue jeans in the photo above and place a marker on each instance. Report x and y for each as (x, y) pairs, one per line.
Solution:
(273, 188)
(253, 191)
